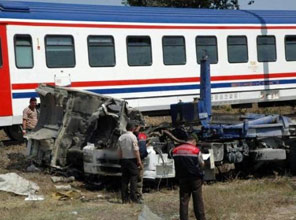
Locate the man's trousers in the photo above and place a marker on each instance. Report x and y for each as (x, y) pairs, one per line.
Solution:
(187, 188)
(129, 171)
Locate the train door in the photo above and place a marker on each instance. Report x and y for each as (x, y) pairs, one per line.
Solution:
(5, 86)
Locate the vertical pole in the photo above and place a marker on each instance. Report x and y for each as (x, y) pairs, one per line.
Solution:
(205, 88)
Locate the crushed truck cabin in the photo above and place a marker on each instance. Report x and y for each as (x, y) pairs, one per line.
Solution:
(79, 129)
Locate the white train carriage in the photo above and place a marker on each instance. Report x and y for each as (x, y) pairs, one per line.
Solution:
(148, 56)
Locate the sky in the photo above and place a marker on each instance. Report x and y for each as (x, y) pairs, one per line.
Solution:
(258, 4)
(268, 5)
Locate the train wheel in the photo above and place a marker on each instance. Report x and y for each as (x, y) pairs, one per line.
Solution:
(14, 132)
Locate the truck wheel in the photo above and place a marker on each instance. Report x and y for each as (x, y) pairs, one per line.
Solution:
(14, 132)
(292, 159)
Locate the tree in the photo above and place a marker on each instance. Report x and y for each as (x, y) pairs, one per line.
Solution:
(218, 4)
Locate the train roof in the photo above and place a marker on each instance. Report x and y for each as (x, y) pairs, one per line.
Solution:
(103, 13)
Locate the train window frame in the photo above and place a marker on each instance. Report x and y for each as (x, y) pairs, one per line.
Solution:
(275, 51)
(293, 59)
(150, 49)
(88, 48)
(216, 48)
(31, 51)
(246, 47)
(184, 50)
(73, 46)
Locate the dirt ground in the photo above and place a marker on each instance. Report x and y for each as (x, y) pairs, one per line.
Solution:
(268, 198)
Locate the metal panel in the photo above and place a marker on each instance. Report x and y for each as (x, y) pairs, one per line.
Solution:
(5, 86)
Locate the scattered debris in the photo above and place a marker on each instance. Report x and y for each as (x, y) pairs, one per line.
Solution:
(33, 197)
(11, 182)
(33, 168)
(18, 161)
(57, 179)
(100, 196)
(74, 213)
(147, 214)
(63, 187)
(68, 195)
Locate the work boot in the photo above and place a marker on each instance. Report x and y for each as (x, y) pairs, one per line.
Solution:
(125, 201)
(138, 201)
(141, 199)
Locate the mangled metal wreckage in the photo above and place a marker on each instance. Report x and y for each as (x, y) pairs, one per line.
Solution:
(80, 129)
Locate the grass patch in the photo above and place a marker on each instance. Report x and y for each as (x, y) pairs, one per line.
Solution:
(238, 199)
(266, 198)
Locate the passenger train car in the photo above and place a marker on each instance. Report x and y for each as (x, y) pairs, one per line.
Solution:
(148, 56)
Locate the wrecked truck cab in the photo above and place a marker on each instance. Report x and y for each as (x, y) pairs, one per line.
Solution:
(70, 119)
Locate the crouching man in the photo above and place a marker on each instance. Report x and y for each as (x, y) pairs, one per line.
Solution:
(188, 164)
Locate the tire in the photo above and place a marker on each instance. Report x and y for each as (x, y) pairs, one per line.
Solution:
(292, 159)
(14, 132)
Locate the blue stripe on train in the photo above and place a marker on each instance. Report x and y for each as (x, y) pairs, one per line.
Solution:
(84, 12)
(18, 95)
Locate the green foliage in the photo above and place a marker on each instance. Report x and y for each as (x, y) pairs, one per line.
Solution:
(218, 4)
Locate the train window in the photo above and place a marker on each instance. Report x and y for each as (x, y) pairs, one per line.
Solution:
(266, 49)
(59, 50)
(207, 46)
(139, 51)
(290, 45)
(237, 49)
(101, 51)
(174, 50)
(23, 51)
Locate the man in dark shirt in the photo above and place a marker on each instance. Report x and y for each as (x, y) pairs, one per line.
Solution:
(188, 163)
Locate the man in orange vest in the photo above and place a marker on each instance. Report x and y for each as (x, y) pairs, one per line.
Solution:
(188, 164)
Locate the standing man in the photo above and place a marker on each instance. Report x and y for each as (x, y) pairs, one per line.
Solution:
(188, 163)
(130, 163)
(142, 139)
(30, 116)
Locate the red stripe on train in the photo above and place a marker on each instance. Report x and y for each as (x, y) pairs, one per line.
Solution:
(20, 86)
(136, 26)
(113, 82)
